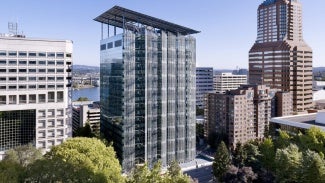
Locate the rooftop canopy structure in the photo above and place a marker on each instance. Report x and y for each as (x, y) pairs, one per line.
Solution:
(127, 19)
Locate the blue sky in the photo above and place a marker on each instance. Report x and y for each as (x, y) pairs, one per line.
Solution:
(228, 28)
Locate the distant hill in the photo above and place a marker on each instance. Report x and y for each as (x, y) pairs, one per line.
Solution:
(85, 68)
(318, 69)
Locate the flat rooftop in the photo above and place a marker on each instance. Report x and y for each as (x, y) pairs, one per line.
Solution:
(304, 121)
(117, 15)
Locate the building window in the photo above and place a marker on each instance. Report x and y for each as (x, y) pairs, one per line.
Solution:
(22, 54)
(42, 62)
(22, 78)
(51, 123)
(51, 113)
(60, 63)
(3, 62)
(22, 87)
(12, 62)
(41, 78)
(32, 87)
(51, 78)
(33, 62)
(59, 78)
(50, 62)
(3, 99)
(32, 78)
(60, 55)
(110, 45)
(50, 86)
(60, 96)
(12, 79)
(59, 70)
(13, 70)
(3, 53)
(41, 98)
(51, 70)
(42, 54)
(22, 70)
(32, 54)
(22, 99)
(118, 43)
(31, 70)
(12, 87)
(41, 86)
(12, 54)
(22, 62)
(51, 54)
(42, 70)
(12, 99)
(102, 47)
(32, 99)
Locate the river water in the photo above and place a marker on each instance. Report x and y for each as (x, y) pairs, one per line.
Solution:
(90, 93)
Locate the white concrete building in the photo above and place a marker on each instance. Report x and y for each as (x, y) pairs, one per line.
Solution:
(204, 84)
(228, 81)
(86, 112)
(35, 94)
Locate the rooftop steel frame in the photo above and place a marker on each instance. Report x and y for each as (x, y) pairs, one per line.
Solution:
(121, 17)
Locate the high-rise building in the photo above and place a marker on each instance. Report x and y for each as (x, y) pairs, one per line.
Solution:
(35, 97)
(204, 84)
(243, 114)
(280, 58)
(227, 81)
(84, 112)
(147, 94)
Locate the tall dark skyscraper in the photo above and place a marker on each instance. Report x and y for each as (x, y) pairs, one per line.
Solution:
(280, 58)
(147, 96)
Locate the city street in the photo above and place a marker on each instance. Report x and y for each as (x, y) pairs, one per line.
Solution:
(202, 174)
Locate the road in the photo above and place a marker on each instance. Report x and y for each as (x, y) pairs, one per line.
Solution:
(203, 174)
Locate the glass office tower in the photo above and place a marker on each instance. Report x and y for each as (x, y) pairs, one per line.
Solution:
(280, 58)
(147, 88)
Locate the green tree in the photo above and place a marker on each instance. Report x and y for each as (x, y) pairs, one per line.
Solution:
(252, 153)
(239, 155)
(267, 155)
(23, 155)
(82, 99)
(288, 164)
(13, 166)
(283, 140)
(11, 172)
(142, 174)
(314, 139)
(77, 160)
(199, 112)
(84, 131)
(221, 161)
(313, 168)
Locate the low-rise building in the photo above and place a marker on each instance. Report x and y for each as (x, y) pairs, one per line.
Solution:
(204, 84)
(228, 81)
(298, 123)
(86, 112)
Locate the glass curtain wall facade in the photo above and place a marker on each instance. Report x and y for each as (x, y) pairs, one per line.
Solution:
(148, 95)
(17, 128)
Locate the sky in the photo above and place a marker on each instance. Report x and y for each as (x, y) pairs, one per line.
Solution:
(228, 28)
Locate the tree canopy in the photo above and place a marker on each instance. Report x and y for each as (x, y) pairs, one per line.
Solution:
(77, 160)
